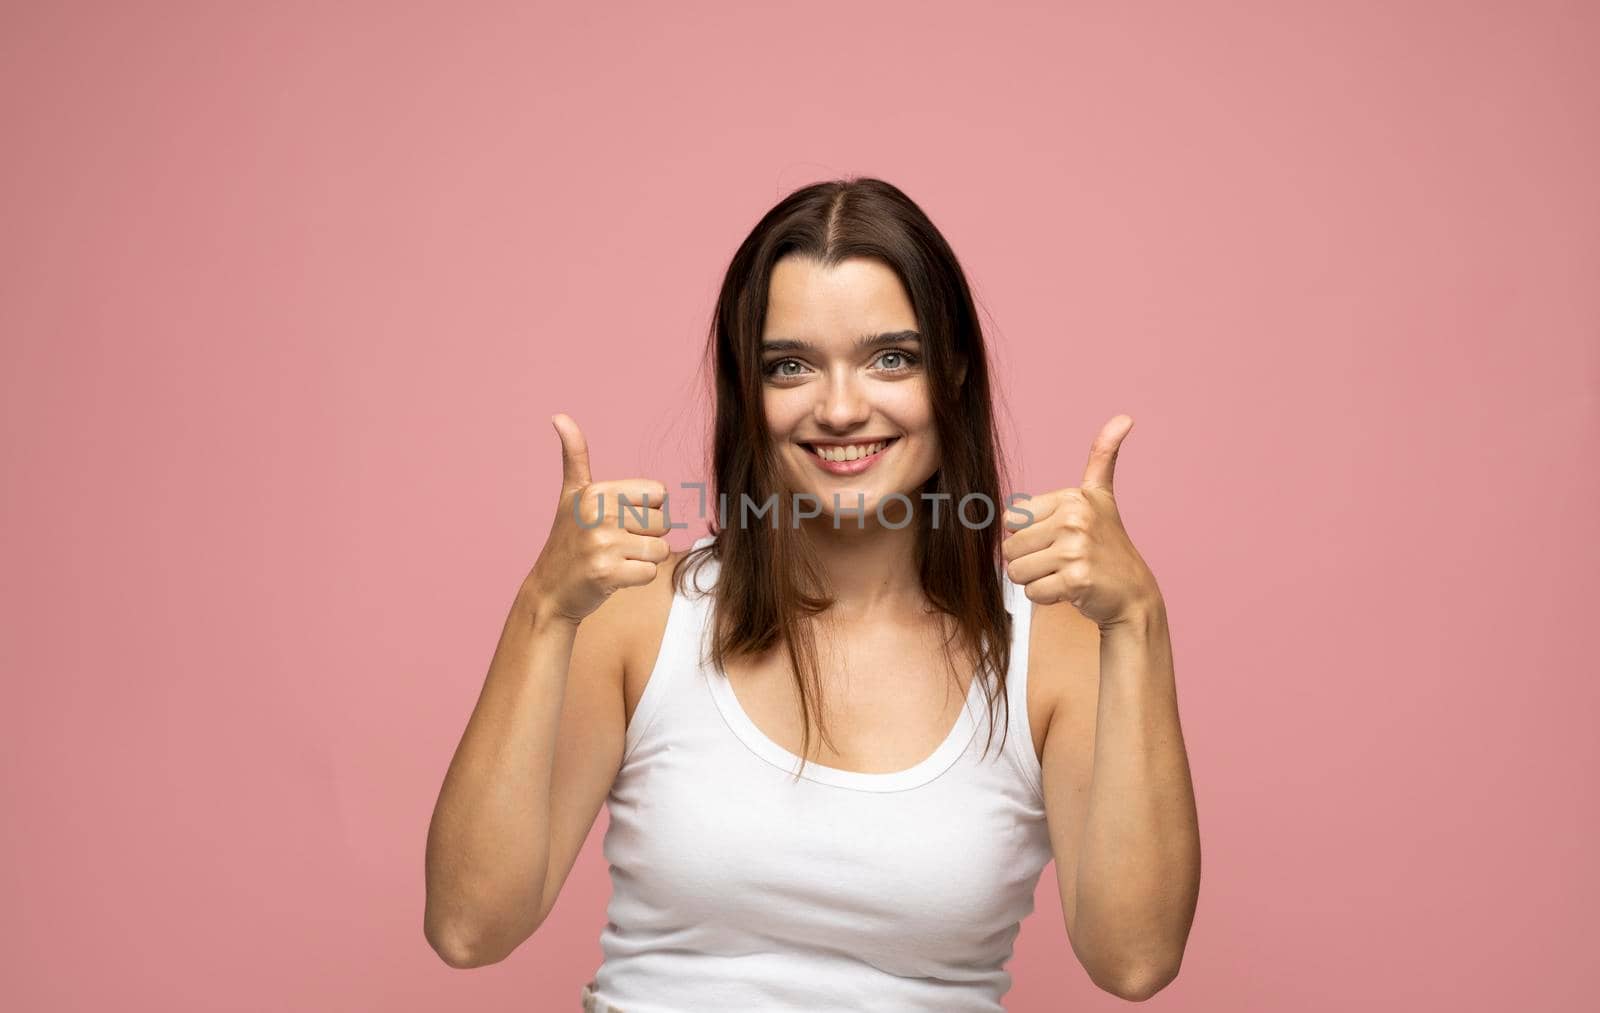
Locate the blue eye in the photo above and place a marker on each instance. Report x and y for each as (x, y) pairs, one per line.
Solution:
(910, 360)
(772, 367)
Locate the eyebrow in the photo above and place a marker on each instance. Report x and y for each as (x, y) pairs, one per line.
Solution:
(863, 343)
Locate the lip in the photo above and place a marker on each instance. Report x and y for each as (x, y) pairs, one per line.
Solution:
(855, 467)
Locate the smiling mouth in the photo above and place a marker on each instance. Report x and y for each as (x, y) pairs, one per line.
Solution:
(850, 453)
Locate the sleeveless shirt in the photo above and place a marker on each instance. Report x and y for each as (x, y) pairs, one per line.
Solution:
(737, 887)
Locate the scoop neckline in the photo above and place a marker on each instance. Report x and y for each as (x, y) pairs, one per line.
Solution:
(925, 770)
(914, 776)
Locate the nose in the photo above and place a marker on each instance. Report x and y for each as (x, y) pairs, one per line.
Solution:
(841, 405)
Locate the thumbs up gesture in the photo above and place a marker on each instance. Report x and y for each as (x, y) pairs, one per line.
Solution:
(1075, 548)
(605, 536)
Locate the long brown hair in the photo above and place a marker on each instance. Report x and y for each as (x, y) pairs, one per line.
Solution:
(769, 581)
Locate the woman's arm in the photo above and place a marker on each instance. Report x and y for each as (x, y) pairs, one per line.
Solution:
(489, 842)
(1116, 778)
(1137, 879)
(561, 651)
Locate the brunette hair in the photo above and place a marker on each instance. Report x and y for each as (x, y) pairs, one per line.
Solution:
(769, 582)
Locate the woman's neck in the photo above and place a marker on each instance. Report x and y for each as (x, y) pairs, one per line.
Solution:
(873, 572)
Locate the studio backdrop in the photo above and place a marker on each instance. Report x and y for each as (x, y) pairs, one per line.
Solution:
(289, 293)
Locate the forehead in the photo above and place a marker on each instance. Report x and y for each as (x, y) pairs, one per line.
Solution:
(808, 300)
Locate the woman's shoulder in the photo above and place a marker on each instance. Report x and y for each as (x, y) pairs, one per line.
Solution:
(635, 618)
(639, 622)
(1063, 665)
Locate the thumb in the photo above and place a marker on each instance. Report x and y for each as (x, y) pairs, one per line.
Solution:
(574, 452)
(1102, 466)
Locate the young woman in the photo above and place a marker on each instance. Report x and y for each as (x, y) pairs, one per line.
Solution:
(863, 577)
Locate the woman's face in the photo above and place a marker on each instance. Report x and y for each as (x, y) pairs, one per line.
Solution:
(824, 388)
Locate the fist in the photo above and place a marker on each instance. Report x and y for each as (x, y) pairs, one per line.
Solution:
(1075, 549)
(605, 536)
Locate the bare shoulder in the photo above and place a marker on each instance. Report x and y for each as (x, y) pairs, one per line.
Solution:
(638, 622)
(1063, 669)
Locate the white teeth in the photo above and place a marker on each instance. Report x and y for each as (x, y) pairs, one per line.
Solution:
(850, 453)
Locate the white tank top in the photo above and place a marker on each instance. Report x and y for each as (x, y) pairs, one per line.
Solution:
(736, 887)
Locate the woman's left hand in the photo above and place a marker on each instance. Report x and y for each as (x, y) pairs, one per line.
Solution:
(1075, 548)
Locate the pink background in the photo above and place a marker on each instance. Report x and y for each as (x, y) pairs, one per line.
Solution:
(289, 292)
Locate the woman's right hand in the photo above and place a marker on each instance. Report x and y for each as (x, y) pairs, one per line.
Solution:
(582, 565)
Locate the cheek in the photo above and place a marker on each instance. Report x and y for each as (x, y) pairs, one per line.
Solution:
(781, 412)
(913, 414)
(931, 455)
